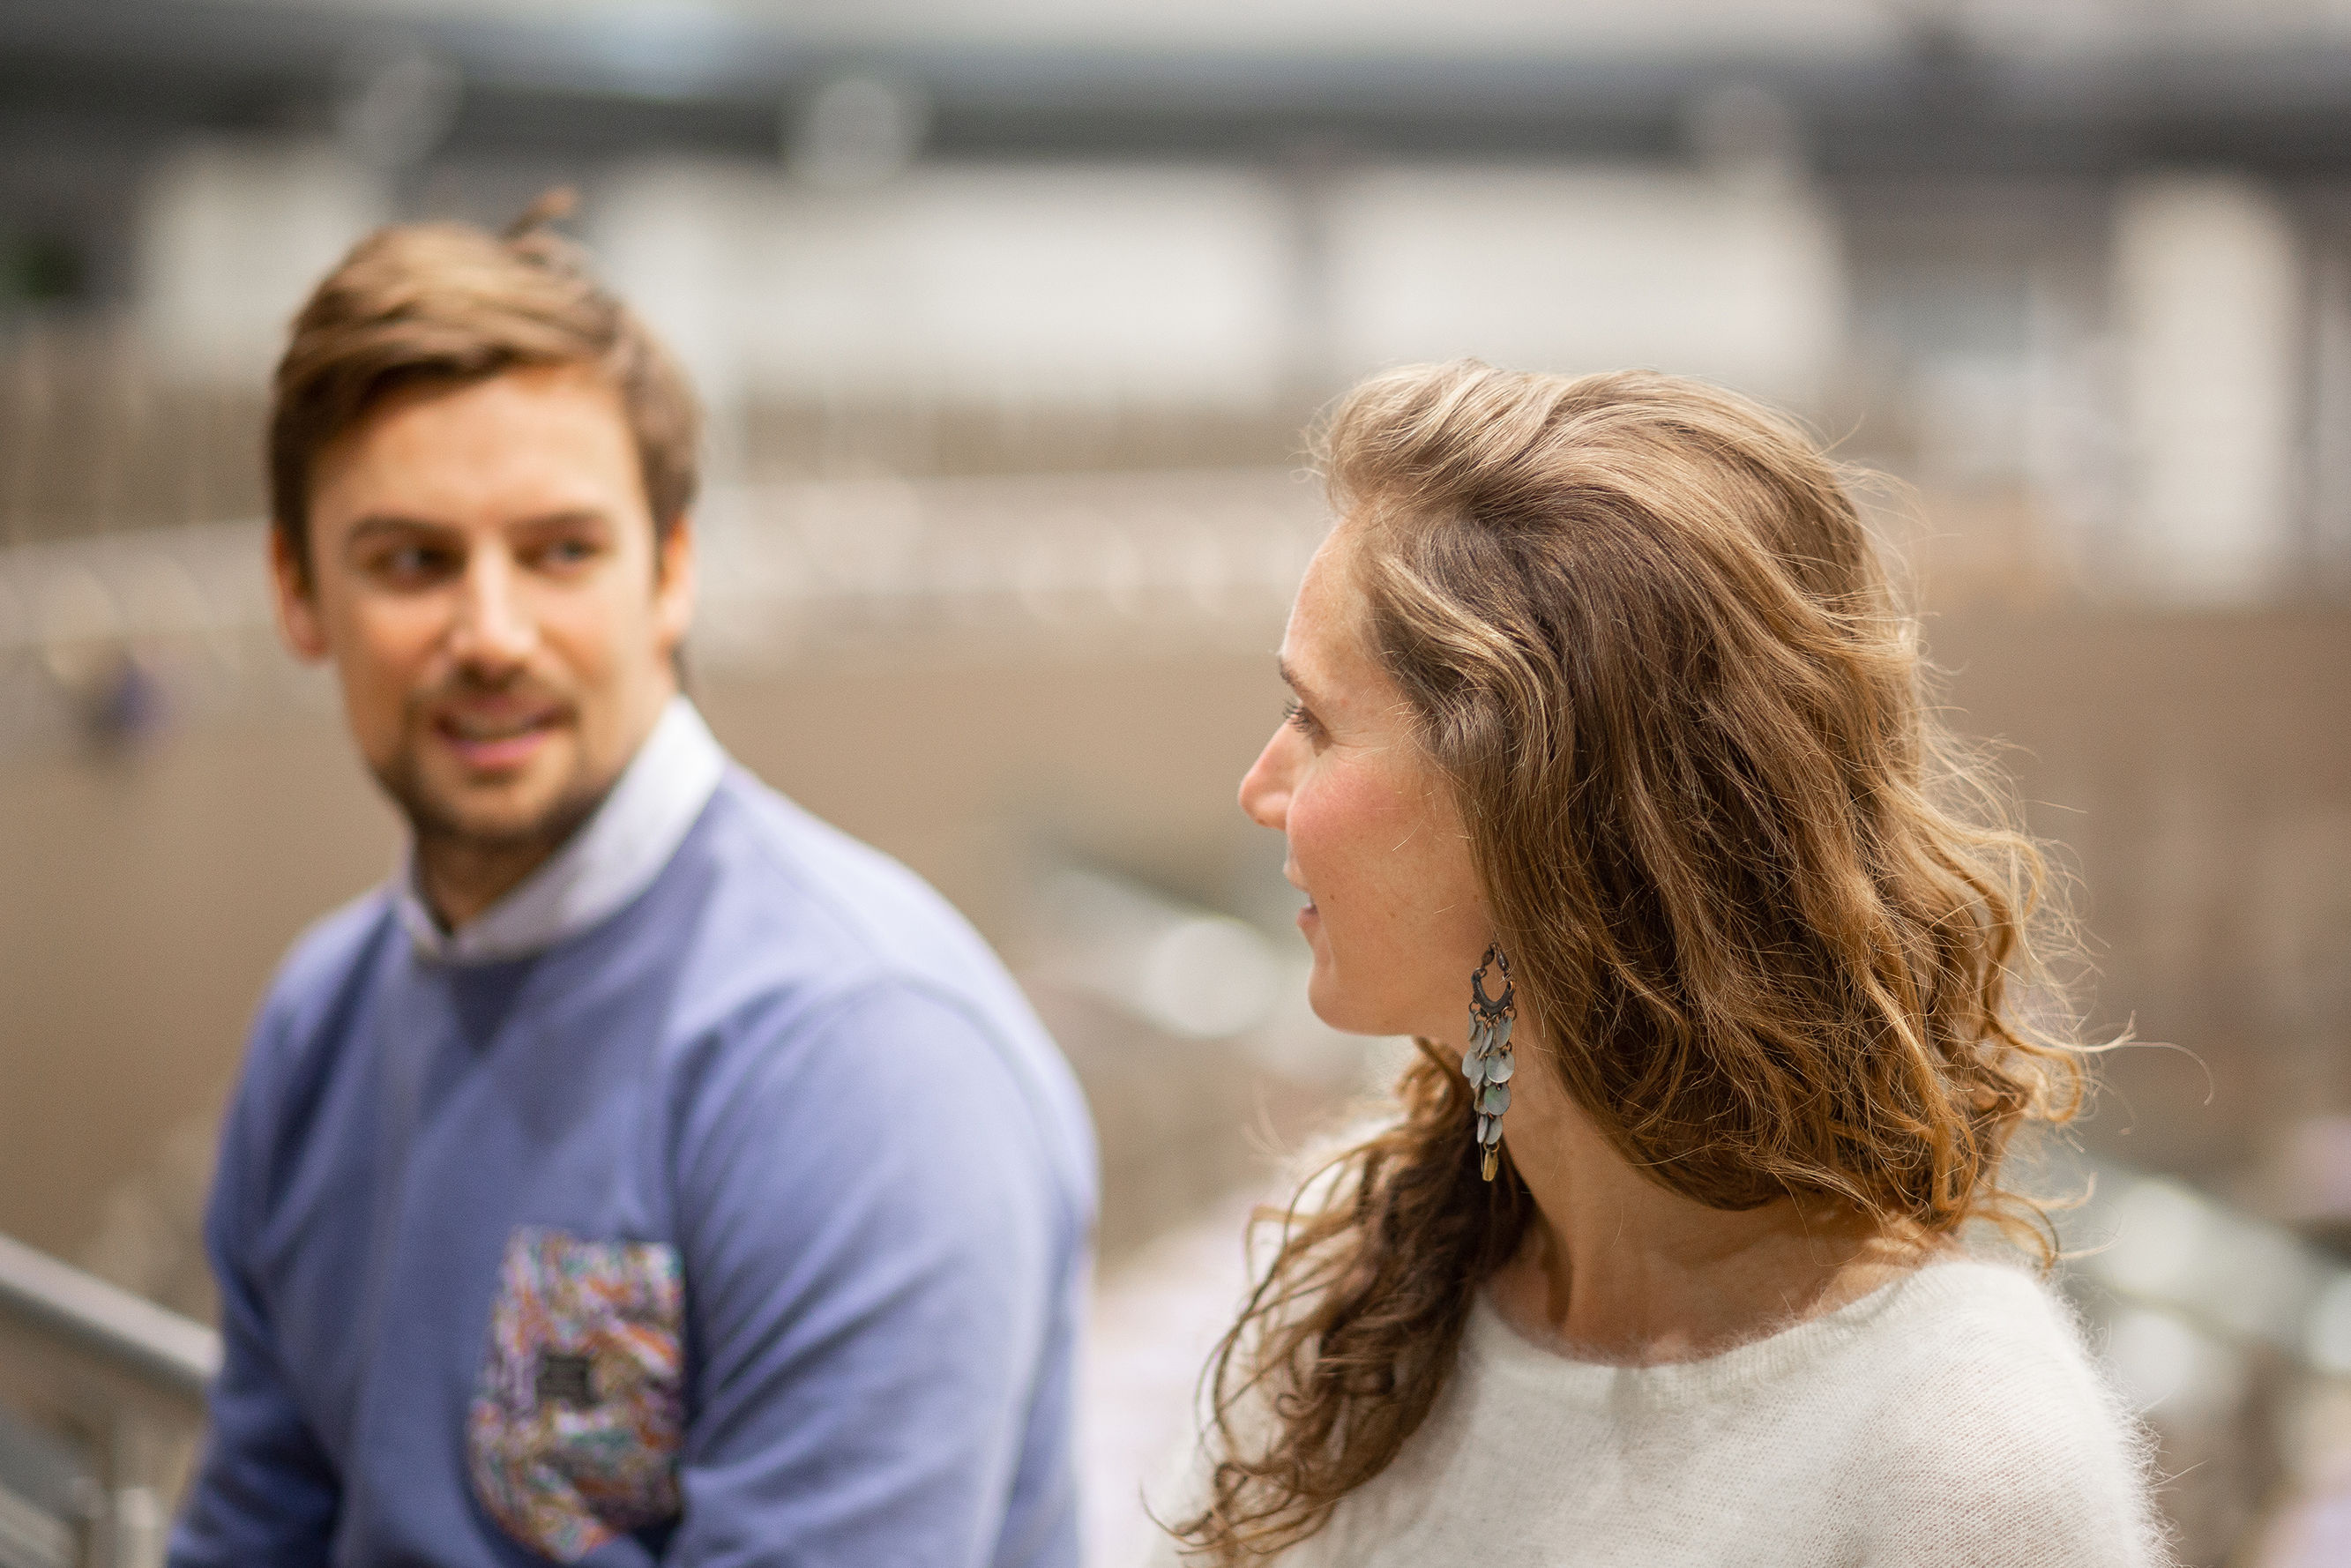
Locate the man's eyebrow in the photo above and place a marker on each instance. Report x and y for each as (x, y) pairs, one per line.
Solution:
(393, 523)
(562, 517)
(399, 522)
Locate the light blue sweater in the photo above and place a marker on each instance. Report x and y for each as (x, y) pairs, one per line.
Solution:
(749, 1226)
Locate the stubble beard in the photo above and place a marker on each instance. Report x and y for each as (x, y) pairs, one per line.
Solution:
(443, 827)
(474, 846)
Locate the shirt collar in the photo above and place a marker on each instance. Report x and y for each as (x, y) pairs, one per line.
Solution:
(612, 857)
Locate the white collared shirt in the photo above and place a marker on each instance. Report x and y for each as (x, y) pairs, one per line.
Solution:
(612, 857)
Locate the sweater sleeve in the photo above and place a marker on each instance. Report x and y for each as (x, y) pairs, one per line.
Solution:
(877, 1260)
(266, 1495)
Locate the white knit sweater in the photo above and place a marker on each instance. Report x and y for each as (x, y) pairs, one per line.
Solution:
(1951, 1418)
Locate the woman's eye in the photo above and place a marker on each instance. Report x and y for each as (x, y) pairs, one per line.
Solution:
(1296, 717)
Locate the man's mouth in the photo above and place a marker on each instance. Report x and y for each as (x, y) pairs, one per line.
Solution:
(496, 740)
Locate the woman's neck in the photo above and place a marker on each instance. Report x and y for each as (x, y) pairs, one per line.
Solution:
(1617, 1267)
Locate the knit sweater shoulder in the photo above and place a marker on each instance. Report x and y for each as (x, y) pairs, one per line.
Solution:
(1953, 1418)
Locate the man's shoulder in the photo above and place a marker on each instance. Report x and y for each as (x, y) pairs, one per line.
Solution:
(324, 961)
(787, 841)
(796, 895)
(308, 1012)
(811, 935)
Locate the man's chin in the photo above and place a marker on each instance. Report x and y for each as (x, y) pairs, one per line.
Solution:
(495, 826)
(498, 815)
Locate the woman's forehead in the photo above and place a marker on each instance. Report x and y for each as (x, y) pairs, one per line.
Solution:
(1325, 652)
(1319, 608)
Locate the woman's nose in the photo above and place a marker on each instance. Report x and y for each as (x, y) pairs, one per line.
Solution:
(1265, 788)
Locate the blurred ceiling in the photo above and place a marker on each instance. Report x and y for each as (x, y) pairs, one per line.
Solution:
(1857, 88)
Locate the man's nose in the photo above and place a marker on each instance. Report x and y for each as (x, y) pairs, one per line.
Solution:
(493, 628)
(1265, 788)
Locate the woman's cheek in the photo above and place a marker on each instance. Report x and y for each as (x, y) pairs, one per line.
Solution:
(1319, 840)
(1345, 825)
(1344, 820)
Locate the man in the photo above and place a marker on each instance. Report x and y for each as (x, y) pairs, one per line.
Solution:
(649, 1173)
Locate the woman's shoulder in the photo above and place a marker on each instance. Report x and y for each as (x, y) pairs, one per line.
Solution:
(1991, 1433)
(1982, 1306)
(1986, 1346)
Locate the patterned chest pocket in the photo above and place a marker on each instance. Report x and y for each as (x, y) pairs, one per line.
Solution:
(574, 1432)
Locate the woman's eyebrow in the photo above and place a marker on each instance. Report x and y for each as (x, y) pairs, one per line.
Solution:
(1290, 678)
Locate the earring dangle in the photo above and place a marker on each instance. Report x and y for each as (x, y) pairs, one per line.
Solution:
(1487, 1063)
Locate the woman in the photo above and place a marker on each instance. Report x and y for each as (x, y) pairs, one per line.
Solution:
(1609, 779)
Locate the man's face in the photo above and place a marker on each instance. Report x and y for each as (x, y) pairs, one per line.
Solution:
(484, 577)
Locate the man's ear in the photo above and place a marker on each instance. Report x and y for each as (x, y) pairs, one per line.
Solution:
(298, 622)
(673, 582)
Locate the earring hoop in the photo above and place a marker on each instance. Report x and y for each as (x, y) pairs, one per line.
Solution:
(1488, 1064)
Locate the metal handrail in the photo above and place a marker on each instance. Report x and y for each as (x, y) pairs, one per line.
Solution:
(161, 1350)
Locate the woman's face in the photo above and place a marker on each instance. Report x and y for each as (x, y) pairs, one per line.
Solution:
(1394, 913)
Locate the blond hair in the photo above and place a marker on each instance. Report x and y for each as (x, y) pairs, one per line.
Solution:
(443, 304)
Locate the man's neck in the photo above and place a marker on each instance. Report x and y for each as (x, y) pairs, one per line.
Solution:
(458, 878)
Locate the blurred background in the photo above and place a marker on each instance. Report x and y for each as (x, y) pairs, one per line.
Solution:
(1009, 318)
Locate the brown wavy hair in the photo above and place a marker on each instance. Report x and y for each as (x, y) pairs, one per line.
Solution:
(1770, 921)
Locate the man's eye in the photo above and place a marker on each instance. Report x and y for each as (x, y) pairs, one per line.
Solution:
(568, 552)
(411, 562)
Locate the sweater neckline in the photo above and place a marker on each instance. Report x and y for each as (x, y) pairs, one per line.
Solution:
(1491, 1342)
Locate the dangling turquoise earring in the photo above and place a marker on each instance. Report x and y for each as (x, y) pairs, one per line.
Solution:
(1487, 1063)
